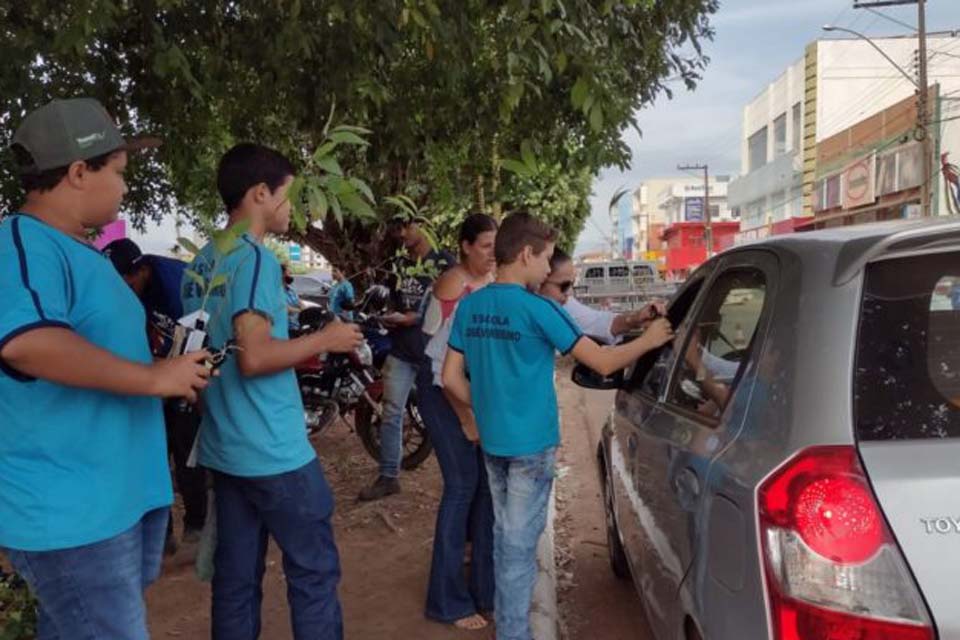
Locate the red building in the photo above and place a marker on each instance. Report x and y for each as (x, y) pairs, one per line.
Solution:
(685, 246)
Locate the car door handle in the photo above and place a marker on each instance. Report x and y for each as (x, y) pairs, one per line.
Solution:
(687, 485)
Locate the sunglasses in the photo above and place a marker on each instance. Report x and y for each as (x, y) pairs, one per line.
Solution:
(563, 286)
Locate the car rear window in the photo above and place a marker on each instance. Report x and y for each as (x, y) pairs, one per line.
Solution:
(907, 378)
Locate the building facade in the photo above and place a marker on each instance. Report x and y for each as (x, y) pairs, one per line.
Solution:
(838, 114)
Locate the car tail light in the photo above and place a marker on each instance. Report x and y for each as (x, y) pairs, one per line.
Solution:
(833, 569)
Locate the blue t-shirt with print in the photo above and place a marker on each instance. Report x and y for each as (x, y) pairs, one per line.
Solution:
(252, 426)
(509, 337)
(77, 466)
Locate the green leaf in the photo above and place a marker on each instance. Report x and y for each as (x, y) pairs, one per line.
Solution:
(337, 211)
(363, 188)
(330, 165)
(517, 167)
(188, 245)
(197, 278)
(218, 281)
(352, 129)
(561, 62)
(407, 206)
(357, 205)
(579, 92)
(295, 192)
(336, 185)
(596, 118)
(588, 104)
(526, 153)
(348, 137)
(324, 150)
(318, 203)
(430, 236)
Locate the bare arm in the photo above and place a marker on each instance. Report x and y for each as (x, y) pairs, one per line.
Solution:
(407, 319)
(626, 322)
(607, 360)
(260, 354)
(455, 383)
(59, 355)
(468, 422)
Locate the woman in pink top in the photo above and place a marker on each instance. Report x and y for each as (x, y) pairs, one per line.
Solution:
(465, 508)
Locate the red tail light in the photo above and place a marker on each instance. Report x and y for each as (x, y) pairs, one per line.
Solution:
(833, 569)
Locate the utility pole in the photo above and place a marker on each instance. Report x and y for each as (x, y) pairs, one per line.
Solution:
(922, 131)
(923, 113)
(708, 219)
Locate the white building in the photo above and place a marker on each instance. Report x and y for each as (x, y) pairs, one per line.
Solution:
(840, 86)
(771, 153)
(685, 202)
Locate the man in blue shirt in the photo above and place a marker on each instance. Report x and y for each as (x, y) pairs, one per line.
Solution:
(507, 337)
(156, 281)
(341, 295)
(84, 484)
(267, 478)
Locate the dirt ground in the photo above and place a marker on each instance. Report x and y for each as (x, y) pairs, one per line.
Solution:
(593, 603)
(385, 550)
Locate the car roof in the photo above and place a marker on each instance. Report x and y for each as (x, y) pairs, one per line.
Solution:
(852, 247)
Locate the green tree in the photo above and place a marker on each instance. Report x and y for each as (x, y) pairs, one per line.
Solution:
(449, 89)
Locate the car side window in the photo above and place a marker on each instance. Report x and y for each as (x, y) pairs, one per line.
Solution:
(652, 371)
(717, 344)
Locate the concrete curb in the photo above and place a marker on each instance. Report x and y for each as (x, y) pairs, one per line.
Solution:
(544, 616)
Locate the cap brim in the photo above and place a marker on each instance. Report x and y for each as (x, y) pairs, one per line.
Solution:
(141, 143)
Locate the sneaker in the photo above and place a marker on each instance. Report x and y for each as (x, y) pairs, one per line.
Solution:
(381, 488)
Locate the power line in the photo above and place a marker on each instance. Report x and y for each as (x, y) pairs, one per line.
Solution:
(912, 28)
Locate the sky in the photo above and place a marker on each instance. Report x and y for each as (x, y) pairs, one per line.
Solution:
(755, 41)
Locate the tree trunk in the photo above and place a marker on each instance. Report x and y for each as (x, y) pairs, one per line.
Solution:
(361, 252)
(497, 206)
(480, 198)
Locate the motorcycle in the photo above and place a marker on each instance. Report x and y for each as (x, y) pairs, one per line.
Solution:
(334, 386)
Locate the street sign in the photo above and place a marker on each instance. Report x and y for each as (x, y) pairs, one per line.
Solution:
(693, 209)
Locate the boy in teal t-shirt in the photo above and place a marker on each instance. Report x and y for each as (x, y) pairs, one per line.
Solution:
(84, 483)
(267, 478)
(507, 337)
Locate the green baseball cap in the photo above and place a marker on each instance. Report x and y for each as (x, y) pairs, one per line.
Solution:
(62, 132)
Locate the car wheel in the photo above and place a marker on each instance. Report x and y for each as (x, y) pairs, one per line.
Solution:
(618, 557)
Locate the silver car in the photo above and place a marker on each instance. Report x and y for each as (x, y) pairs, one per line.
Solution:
(789, 467)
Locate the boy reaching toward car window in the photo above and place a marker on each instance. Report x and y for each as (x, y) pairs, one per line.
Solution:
(507, 337)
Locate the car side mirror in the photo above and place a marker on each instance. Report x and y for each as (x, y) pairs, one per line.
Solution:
(587, 378)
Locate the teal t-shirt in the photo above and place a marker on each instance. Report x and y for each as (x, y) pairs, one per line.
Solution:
(252, 426)
(76, 466)
(509, 337)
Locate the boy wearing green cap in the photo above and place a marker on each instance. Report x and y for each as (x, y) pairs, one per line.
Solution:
(84, 485)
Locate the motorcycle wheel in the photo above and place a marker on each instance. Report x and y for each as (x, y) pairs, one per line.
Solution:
(416, 441)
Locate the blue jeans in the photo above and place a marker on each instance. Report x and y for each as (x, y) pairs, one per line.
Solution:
(465, 510)
(95, 592)
(295, 508)
(398, 379)
(520, 488)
